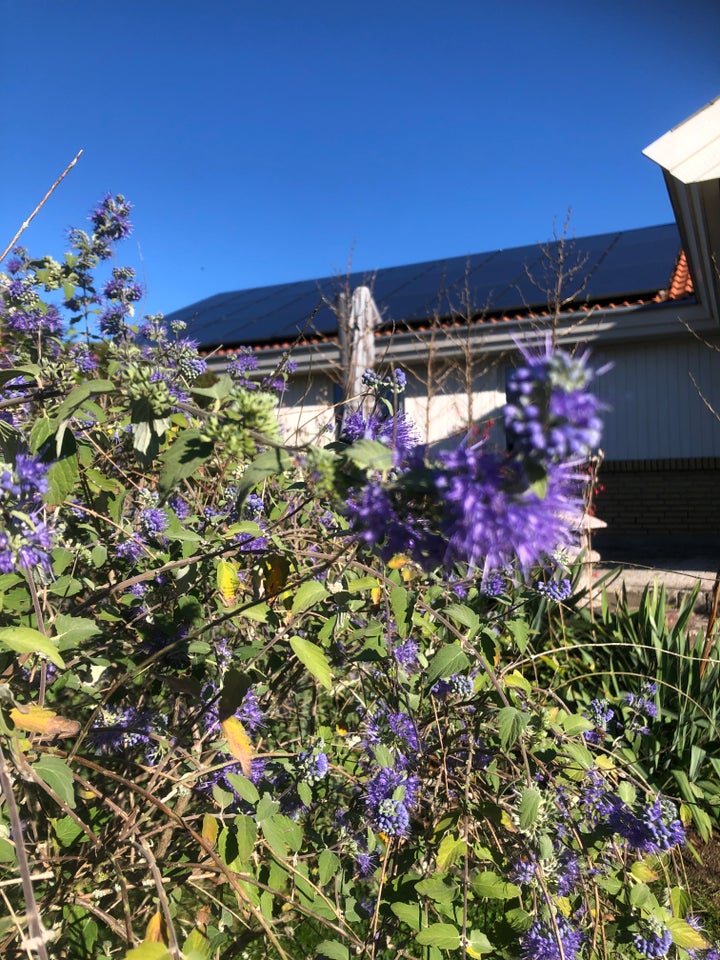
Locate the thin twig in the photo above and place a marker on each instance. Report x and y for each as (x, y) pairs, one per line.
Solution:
(38, 933)
(39, 207)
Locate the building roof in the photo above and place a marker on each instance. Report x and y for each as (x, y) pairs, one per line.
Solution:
(624, 268)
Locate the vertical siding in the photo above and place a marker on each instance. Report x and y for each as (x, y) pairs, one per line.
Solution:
(655, 411)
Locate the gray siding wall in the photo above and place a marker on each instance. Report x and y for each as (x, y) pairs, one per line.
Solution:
(655, 410)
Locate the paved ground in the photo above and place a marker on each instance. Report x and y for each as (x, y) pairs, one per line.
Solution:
(676, 562)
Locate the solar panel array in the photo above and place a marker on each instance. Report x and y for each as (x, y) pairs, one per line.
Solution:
(605, 267)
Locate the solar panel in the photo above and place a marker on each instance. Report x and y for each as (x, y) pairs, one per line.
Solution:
(606, 267)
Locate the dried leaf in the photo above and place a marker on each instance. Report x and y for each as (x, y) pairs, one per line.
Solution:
(238, 743)
(36, 719)
(156, 930)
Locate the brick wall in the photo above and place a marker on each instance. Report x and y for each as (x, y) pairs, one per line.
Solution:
(671, 497)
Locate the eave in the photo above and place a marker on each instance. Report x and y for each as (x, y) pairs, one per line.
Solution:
(596, 326)
(689, 156)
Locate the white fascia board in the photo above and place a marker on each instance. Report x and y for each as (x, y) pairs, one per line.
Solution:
(689, 155)
(601, 327)
(690, 152)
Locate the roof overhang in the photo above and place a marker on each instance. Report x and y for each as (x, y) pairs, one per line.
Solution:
(689, 155)
(598, 328)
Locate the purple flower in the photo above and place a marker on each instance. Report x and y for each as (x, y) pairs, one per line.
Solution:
(397, 432)
(313, 767)
(112, 320)
(390, 798)
(243, 362)
(182, 510)
(116, 730)
(394, 730)
(649, 828)
(367, 863)
(458, 685)
(549, 415)
(406, 655)
(131, 550)
(249, 712)
(524, 870)
(122, 286)
(600, 715)
(555, 589)
(492, 515)
(541, 941)
(111, 222)
(653, 939)
(83, 359)
(153, 521)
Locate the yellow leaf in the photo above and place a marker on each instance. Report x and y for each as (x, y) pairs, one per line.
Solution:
(156, 930)
(210, 828)
(276, 574)
(603, 762)
(36, 719)
(376, 595)
(228, 582)
(398, 561)
(238, 743)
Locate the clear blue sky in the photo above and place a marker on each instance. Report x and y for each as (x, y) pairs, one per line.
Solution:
(265, 142)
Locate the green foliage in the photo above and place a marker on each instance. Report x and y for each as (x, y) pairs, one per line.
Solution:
(231, 730)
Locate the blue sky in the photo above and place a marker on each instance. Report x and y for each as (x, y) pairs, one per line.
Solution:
(265, 142)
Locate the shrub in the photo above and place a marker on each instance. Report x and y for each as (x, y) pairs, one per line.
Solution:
(265, 701)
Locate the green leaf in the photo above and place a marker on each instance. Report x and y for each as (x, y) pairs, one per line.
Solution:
(328, 866)
(79, 394)
(574, 723)
(685, 936)
(520, 920)
(182, 459)
(66, 830)
(409, 913)
(56, 774)
(643, 872)
(442, 935)
(450, 851)
(72, 631)
(681, 902)
(463, 615)
(437, 889)
(246, 788)
(400, 606)
(307, 595)
(639, 894)
(370, 455)
(447, 661)
(28, 640)
(511, 723)
(488, 884)
(518, 681)
(312, 657)
(282, 834)
(479, 944)
(580, 754)
(520, 630)
(221, 388)
(528, 808)
(197, 947)
(149, 951)
(333, 949)
(271, 463)
(246, 835)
